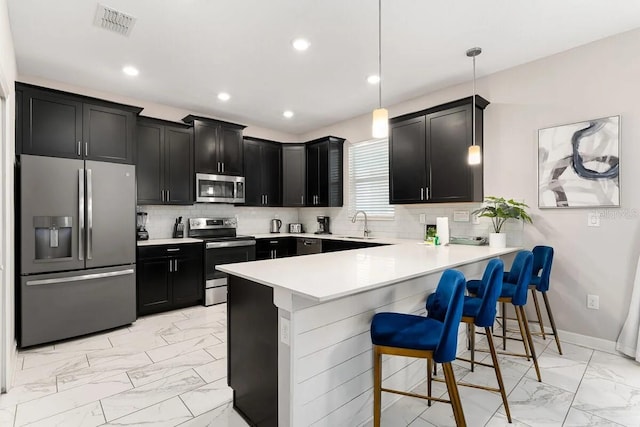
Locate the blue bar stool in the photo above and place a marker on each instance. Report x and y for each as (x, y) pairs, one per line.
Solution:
(434, 338)
(515, 287)
(542, 260)
(480, 311)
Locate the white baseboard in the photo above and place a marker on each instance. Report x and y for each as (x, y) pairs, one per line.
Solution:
(587, 341)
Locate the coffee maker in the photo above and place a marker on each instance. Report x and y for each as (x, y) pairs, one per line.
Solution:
(141, 223)
(323, 225)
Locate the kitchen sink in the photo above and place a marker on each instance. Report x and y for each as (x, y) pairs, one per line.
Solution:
(356, 237)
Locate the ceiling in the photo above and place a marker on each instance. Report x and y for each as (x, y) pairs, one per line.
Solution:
(188, 51)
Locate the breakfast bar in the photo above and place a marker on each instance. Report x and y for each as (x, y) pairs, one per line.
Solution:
(299, 346)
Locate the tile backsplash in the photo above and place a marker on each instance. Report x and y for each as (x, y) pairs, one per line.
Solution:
(251, 220)
(256, 220)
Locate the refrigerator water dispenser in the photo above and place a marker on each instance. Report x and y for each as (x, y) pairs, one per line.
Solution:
(53, 236)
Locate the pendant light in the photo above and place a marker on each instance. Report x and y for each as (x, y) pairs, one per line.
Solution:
(475, 157)
(380, 124)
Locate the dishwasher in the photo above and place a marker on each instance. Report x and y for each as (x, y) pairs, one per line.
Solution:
(308, 246)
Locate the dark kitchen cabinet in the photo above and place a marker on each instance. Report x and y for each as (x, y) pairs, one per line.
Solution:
(61, 124)
(428, 154)
(275, 247)
(324, 172)
(218, 146)
(294, 177)
(164, 163)
(169, 277)
(263, 172)
(330, 245)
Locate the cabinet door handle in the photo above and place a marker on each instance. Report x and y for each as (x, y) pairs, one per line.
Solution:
(218, 166)
(175, 265)
(168, 197)
(86, 149)
(79, 152)
(421, 193)
(222, 167)
(427, 193)
(266, 199)
(173, 249)
(170, 266)
(302, 200)
(162, 195)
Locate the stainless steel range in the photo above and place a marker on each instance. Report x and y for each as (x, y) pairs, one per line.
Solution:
(223, 246)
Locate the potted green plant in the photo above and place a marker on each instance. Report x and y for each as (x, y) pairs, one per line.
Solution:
(500, 211)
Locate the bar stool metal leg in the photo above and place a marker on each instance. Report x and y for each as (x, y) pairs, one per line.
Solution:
(496, 366)
(377, 386)
(553, 323)
(540, 322)
(452, 388)
(530, 340)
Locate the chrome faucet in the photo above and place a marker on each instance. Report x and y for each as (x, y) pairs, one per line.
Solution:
(366, 226)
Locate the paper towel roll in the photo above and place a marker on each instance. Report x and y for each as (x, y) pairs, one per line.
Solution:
(442, 228)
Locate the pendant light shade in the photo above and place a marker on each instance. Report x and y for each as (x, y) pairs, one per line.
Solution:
(380, 123)
(380, 126)
(475, 156)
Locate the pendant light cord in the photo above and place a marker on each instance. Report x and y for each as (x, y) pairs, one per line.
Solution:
(380, 53)
(474, 101)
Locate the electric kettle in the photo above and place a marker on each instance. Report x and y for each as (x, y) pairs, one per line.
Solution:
(275, 225)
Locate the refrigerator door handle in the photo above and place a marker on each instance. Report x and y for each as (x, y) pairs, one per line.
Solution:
(79, 278)
(81, 214)
(89, 216)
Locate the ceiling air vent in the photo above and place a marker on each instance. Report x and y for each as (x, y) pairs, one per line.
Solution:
(114, 20)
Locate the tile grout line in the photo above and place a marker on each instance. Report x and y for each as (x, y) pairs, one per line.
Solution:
(185, 405)
(104, 417)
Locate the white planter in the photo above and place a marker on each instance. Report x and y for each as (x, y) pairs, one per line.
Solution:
(497, 240)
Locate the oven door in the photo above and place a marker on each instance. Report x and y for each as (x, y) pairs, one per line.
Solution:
(219, 188)
(219, 253)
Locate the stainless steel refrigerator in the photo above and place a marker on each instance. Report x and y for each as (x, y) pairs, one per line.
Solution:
(77, 248)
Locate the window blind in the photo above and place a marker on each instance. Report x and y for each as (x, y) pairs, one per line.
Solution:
(369, 179)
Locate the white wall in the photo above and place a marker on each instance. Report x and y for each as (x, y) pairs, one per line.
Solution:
(596, 80)
(7, 155)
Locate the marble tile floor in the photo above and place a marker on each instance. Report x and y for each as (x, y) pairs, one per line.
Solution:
(167, 369)
(170, 369)
(583, 387)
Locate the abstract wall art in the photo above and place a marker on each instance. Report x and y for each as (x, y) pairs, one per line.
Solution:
(578, 164)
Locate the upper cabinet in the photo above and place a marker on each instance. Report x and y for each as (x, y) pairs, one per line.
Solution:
(428, 154)
(263, 172)
(294, 166)
(165, 163)
(218, 146)
(324, 172)
(61, 124)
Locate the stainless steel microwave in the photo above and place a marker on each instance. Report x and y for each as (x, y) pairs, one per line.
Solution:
(219, 188)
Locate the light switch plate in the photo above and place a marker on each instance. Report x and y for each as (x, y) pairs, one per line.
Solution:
(593, 219)
(423, 218)
(460, 216)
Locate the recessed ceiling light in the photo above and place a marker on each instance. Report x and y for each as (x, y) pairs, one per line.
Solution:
(288, 114)
(373, 79)
(130, 70)
(301, 44)
(224, 96)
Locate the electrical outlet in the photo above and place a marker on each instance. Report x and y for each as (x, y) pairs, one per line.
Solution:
(593, 219)
(593, 302)
(460, 216)
(285, 330)
(475, 219)
(423, 218)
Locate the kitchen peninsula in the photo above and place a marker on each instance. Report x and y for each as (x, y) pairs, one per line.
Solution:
(298, 328)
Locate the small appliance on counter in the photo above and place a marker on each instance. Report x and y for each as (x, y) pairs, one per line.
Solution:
(296, 228)
(323, 225)
(178, 229)
(141, 224)
(275, 226)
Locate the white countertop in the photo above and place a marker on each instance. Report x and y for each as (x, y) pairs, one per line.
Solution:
(323, 277)
(342, 237)
(179, 241)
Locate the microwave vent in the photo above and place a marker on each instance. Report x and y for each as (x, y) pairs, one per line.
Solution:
(114, 20)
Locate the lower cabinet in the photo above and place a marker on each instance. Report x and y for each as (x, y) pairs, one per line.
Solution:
(277, 247)
(169, 276)
(329, 245)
